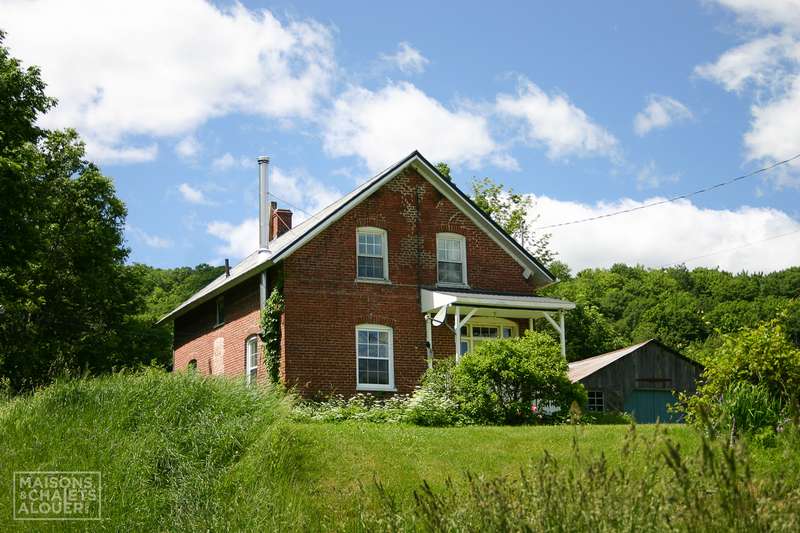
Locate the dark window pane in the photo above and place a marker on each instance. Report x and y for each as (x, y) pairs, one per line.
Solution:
(370, 267)
(450, 272)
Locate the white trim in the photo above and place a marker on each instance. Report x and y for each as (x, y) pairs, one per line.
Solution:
(372, 386)
(432, 300)
(247, 367)
(491, 322)
(369, 230)
(462, 241)
(359, 195)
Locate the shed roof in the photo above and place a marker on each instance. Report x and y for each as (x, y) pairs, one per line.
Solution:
(586, 367)
(283, 246)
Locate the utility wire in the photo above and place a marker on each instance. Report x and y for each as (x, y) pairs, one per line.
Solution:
(745, 245)
(672, 199)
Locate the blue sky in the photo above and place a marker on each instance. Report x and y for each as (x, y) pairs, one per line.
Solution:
(590, 107)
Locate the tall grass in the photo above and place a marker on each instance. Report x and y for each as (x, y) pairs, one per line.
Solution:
(163, 443)
(714, 490)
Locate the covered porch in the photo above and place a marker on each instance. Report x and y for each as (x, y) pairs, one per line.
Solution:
(478, 317)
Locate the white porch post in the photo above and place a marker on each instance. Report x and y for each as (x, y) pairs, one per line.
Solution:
(530, 324)
(429, 339)
(559, 327)
(457, 324)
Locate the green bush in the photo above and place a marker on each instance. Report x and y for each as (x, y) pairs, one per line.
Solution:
(750, 384)
(512, 381)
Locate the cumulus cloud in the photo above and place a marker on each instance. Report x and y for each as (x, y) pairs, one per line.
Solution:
(188, 147)
(555, 122)
(153, 241)
(660, 112)
(669, 234)
(380, 127)
(157, 69)
(769, 64)
(407, 59)
(292, 190)
(193, 195)
(757, 61)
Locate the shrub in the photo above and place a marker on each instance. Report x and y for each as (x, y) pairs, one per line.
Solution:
(750, 383)
(509, 381)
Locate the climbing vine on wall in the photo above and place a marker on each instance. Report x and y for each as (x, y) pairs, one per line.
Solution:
(271, 332)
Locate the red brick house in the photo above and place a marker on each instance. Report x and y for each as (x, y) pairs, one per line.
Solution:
(403, 269)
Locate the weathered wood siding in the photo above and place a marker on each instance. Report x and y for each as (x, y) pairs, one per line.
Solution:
(652, 366)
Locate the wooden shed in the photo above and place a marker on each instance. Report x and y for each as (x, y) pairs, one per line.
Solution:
(642, 379)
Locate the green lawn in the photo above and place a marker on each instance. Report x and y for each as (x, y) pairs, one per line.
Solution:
(179, 452)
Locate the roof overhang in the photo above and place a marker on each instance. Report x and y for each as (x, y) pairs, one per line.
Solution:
(487, 304)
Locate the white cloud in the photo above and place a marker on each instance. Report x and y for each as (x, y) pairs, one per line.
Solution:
(768, 13)
(193, 195)
(769, 63)
(157, 69)
(223, 162)
(557, 123)
(292, 190)
(120, 154)
(660, 112)
(240, 240)
(407, 58)
(670, 233)
(756, 61)
(153, 241)
(382, 127)
(188, 147)
(649, 177)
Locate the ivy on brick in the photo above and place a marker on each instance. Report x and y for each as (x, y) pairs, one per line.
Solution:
(271, 332)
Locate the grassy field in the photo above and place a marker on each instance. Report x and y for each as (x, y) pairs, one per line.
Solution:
(179, 452)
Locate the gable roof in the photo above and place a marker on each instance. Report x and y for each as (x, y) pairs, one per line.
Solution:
(283, 246)
(586, 367)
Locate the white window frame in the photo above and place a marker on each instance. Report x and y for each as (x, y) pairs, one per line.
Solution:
(487, 322)
(373, 386)
(369, 230)
(219, 317)
(463, 243)
(250, 341)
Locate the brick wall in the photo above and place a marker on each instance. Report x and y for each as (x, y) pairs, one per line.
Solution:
(324, 303)
(197, 338)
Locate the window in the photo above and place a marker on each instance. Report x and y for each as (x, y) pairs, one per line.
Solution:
(220, 312)
(192, 366)
(595, 401)
(480, 329)
(372, 254)
(374, 358)
(451, 255)
(251, 360)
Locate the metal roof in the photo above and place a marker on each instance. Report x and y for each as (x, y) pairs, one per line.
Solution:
(586, 367)
(284, 245)
(435, 299)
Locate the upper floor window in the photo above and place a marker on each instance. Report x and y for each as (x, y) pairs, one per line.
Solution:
(372, 254)
(220, 312)
(251, 360)
(374, 357)
(451, 255)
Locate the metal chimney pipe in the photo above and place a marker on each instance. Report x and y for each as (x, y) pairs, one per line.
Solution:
(263, 203)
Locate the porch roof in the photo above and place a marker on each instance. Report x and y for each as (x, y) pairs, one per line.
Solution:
(510, 304)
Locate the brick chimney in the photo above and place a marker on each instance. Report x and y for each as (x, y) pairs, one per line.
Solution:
(281, 221)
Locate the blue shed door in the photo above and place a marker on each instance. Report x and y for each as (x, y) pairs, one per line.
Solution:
(648, 405)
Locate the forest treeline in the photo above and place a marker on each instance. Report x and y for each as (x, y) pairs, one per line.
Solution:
(686, 309)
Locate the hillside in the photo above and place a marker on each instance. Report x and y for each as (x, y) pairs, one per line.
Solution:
(181, 452)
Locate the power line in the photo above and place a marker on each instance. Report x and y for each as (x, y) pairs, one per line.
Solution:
(672, 199)
(745, 245)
